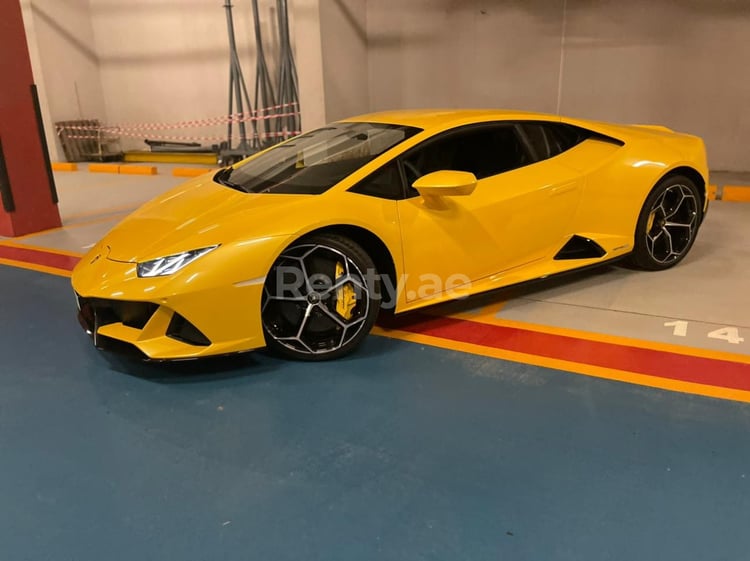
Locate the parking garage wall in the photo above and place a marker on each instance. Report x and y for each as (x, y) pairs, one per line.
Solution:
(343, 32)
(679, 63)
(64, 63)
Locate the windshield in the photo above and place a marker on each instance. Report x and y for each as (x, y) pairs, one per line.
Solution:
(316, 161)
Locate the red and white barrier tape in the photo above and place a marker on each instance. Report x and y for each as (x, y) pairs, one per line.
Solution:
(280, 134)
(257, 115)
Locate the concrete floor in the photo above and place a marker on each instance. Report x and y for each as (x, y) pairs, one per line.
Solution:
(401, 451)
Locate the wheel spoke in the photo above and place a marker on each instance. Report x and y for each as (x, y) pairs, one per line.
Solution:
(288, 298)
(303, 323)
(335, 318)
(344, 280)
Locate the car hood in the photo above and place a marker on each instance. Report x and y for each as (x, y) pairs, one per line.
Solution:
(199, 214)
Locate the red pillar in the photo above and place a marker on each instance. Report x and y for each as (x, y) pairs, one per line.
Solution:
(28, 201)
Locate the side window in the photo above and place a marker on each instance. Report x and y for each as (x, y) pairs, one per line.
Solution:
(481, 150)
(384, 183)
(547, 140)
(536, 136)
(563, 137)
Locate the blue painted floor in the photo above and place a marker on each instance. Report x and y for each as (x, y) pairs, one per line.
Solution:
(399, 452)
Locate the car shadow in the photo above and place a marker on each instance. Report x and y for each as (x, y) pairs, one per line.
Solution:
(209, 369)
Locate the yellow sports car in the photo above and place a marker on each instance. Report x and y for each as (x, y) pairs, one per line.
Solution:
(298, 247)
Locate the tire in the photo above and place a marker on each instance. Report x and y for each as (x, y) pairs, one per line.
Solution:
(668, 224)
(320, 299)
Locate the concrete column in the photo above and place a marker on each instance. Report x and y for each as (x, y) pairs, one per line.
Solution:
(28, 201)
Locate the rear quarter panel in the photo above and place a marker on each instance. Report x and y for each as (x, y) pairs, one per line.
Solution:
(618, 179)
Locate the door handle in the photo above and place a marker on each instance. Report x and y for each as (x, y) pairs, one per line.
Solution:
(562, 189)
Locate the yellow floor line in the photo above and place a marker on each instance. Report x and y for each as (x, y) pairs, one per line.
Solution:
(35, 267)
(574, 367)
(605, 338)
(544, 362)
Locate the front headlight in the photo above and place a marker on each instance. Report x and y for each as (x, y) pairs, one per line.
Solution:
(171, 263)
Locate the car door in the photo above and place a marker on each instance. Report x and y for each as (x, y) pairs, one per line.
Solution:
(517, 213)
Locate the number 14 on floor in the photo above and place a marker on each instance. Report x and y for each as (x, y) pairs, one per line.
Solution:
(728, 334)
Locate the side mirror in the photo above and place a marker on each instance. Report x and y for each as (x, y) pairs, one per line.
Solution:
(446, 183)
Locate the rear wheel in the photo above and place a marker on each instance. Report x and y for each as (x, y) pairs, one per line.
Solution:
(320, 298)
(668, 224)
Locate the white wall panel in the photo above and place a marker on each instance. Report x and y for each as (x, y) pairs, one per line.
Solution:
(343, 32)
(681, 63)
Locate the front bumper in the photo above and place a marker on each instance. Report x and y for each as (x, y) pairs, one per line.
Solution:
(167, 318)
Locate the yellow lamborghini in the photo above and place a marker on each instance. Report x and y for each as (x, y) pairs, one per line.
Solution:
(298, 247)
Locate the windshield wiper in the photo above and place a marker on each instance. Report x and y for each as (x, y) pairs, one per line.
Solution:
(222, 176)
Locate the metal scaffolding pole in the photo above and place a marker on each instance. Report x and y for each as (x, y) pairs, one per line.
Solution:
(238, 96)
(265, 100)
(288, 91)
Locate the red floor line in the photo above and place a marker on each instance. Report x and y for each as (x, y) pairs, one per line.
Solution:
(39, 257)
(664, 364)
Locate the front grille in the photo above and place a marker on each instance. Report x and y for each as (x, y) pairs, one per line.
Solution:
(96, 312)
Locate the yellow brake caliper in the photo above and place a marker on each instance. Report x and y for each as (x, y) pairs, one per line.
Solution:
(650, 223)
(346, 297)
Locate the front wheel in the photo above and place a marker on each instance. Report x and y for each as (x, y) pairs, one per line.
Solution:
(668, 224)
(320, 298)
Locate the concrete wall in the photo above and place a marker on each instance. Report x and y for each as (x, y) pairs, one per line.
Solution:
(308, 54)
(64, 62)
(451, 53)
(157, 61)
(167, 61)
(680, 63)
(343, 32)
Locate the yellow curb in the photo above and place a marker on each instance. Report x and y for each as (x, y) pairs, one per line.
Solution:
(712, 192)
(104, 168)
(735, 193)
(64, 166)
(190, 172)
(138, 170)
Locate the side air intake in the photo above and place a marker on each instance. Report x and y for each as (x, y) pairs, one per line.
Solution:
(579, 247)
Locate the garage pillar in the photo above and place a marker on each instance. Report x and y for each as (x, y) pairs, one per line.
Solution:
(28, 200)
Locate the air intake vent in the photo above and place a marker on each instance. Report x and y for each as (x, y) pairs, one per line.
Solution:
(182, 330)
(579, 247)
